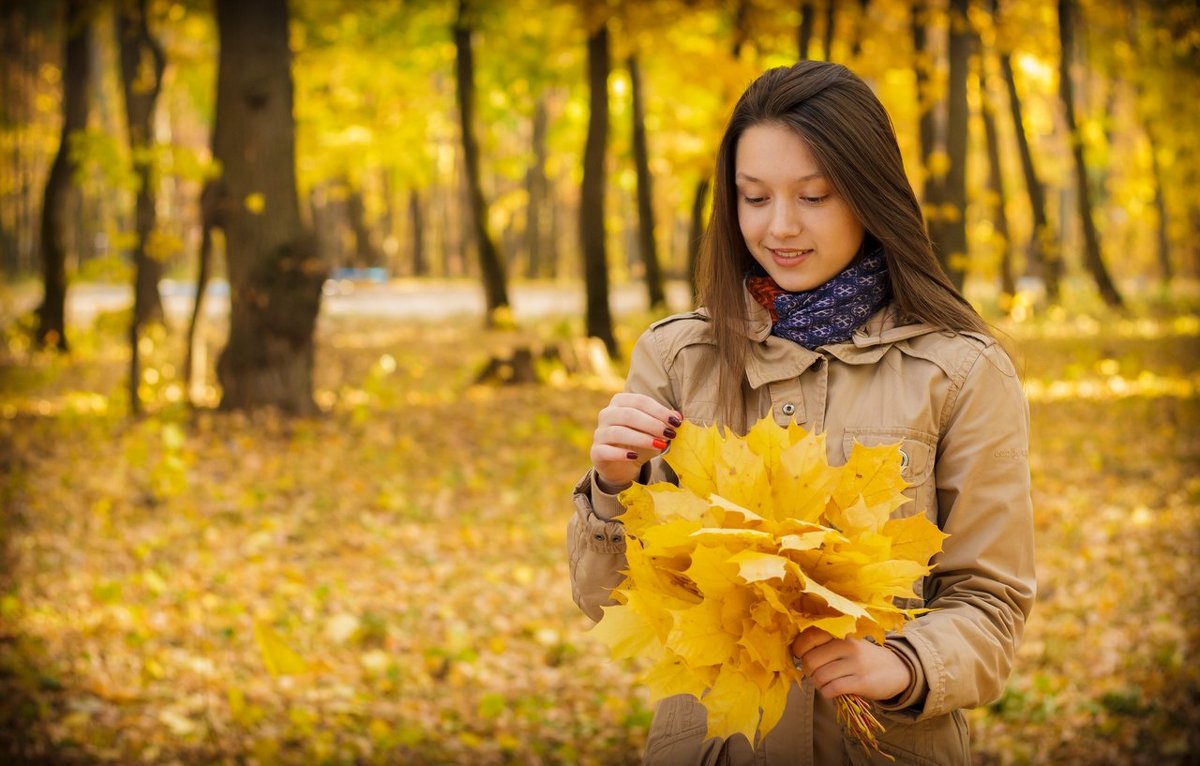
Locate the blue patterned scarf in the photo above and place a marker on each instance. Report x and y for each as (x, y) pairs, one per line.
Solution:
(829, 313)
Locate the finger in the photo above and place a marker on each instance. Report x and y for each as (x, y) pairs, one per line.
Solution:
(623, 436)
(834, 675)
(612, 453)
(818, 657)
(847, 684)
(808, 640)
(648, 405)
(637, 420)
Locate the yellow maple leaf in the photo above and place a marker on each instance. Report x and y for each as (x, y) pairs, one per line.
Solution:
(280, 659)
(693, 457)
(672, 675)
(733, 705)
(699, 635)
(742, 477)
(802, 483)
(914, 538)
(874, 473)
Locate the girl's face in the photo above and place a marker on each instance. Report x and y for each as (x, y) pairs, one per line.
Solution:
(794, 223)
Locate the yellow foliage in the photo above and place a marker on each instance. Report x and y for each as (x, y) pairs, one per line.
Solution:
(761, 539)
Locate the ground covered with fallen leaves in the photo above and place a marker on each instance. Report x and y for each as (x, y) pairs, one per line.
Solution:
(387, 583)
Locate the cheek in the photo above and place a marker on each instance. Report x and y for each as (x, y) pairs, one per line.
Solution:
(749, 221)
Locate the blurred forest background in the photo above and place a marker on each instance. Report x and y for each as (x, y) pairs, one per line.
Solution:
(318, 515)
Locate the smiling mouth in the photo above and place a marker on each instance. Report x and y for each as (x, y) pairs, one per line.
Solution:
(788, 253)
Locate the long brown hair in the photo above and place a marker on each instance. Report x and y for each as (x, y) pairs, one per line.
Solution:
(851, 137)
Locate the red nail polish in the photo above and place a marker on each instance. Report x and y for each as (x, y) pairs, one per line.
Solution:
(660, 444)
(631, 455)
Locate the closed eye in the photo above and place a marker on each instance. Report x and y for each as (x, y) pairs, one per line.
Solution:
(815, 200)
(754, 200)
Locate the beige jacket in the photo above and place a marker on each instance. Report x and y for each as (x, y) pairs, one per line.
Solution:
(956, 404)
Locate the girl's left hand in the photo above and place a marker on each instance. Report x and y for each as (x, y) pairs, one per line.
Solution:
(850, 666)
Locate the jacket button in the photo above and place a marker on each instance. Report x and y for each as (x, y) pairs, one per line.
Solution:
(904, 459)
(789, 409)
(598, 537)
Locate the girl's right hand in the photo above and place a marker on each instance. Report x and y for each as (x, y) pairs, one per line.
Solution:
(632, 429)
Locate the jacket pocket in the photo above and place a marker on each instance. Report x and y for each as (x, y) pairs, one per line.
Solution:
(939, 741)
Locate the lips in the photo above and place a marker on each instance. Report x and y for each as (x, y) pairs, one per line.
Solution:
(788, 254)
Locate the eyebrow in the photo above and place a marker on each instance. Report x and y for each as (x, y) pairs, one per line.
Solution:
(747, 177)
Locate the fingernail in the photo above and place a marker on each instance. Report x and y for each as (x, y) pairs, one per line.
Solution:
(660, 444)
(675, 421)
(631, 455)
(669, 433)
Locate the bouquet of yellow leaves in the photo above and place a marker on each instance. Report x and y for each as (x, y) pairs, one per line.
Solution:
(762, 539)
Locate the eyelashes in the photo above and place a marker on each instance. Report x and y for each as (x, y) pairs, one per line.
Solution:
(806, 200)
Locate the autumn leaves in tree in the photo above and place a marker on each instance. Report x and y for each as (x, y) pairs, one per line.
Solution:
(762, 539)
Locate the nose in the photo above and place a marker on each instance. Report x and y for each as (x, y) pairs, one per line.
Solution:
(785, 221)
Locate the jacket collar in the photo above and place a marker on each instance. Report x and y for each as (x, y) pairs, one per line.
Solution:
(773, 358)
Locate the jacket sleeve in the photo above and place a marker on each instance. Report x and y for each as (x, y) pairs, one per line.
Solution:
(983, 585)
(595, 542)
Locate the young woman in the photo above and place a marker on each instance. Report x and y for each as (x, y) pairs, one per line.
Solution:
(824, 304)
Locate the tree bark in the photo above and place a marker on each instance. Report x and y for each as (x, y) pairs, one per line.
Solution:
(591, 212)
(1042, 253)
(933, 189)
(416, 217)
(1162, 239)
(860, 27)
(645, 198)
(365, 253)
(491, 265)
(142, 65)
(696, 234)
(952, 249)
(275, 270)
(60, 186)
(209, 219)
(804, 34)
(1091, 240)
(996, 186)
(537, 184)
(830, 27)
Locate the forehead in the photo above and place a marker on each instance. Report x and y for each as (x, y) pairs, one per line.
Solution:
(773, 151)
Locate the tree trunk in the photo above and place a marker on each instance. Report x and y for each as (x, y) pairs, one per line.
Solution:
(1091, 241)
(933, 190)
(996, 185)
(1162, 238)
(1042, 253)
(209, 219)
(1166, 273)
(537, 184)
(696, 235)
(142, 65)
(420, 259)
(952, 249)
(860, 25)
(645, 198)
(830, 27)
(275, 270)
(60, 186)
(591, 212)
(804, 34)
(365, 253)
(491, 266)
